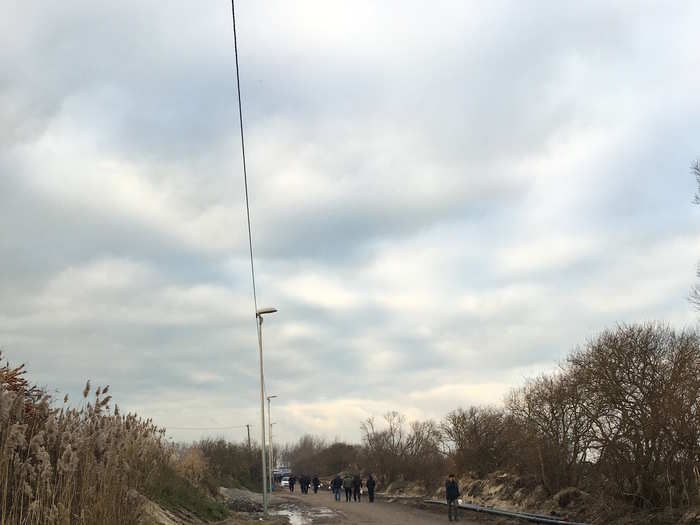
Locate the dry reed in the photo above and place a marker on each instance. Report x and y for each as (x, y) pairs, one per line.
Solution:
(72, 466)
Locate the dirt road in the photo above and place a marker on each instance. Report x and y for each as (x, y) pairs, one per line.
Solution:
(379, 512)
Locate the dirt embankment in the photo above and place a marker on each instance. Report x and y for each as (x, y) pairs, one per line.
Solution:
(509, 492)
(503, 490)
(245, 506)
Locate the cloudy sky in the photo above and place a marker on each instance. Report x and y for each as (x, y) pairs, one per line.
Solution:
(446, 197)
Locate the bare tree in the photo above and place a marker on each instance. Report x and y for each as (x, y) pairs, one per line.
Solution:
(640, 387)
(303, 456)
(398, 452)
(314, 455)
(481, 439)
(552, 412)
(384, 448)
(695, 290)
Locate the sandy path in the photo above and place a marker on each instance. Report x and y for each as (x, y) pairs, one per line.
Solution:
(381, 512)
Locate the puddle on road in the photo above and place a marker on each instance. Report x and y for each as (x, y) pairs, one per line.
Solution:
(296, 517)
(307, 516)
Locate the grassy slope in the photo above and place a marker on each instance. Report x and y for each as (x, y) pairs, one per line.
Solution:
(173, 492)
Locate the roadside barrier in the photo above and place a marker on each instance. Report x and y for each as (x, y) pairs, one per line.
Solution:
(532, 518)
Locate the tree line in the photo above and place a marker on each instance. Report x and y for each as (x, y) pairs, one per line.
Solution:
(619, 418)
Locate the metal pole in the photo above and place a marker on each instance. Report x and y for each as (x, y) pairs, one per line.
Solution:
(262, 416)
(271, 451)
(269, 422)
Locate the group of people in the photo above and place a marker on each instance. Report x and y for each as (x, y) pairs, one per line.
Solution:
(353, 486)
(304, 482)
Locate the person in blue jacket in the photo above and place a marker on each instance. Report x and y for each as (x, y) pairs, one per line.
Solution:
(370, 484)
(336, 485)
(452, 495)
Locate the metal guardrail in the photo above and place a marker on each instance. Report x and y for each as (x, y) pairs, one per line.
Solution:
(532, 518)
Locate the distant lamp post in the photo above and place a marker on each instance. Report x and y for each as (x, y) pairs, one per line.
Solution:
(269, 420)
(259, 315)
(271, 447)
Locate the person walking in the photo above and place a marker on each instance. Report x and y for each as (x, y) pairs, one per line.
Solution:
(335, 487)
(347, 485)
(370, 484)
(356, 488)
(316, 482)
(292, 481)
(452, 495)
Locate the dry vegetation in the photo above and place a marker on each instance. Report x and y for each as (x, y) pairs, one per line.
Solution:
(76, 466)
(231, 465)
(619, 420)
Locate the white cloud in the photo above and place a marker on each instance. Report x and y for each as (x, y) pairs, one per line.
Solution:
(546, 253)
(463, 394)
(324, 291)
(441, 204)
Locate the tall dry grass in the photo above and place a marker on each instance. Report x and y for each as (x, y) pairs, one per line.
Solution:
(72, 466)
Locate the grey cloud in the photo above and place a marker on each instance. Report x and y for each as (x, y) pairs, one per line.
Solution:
(443, 200)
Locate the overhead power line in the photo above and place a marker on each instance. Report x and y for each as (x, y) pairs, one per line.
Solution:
(258, 314)
(245, 169)
(205, 428)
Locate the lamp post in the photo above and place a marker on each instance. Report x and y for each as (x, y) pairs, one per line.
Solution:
(269, 420)
(272, 450)
(259, 315)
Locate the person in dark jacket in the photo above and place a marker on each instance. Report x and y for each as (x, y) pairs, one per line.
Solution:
(452, 495)
(336, 485)
(371, 483)
(292, 481)
(316, 482)
(356, 488)
(347, 485)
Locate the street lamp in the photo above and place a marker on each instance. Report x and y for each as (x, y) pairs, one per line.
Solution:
(269, 419)
(259, 315)
(263, 311)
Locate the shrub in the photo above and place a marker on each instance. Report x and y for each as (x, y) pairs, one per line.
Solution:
(193, 465)
(230, 464)
(176, 492)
